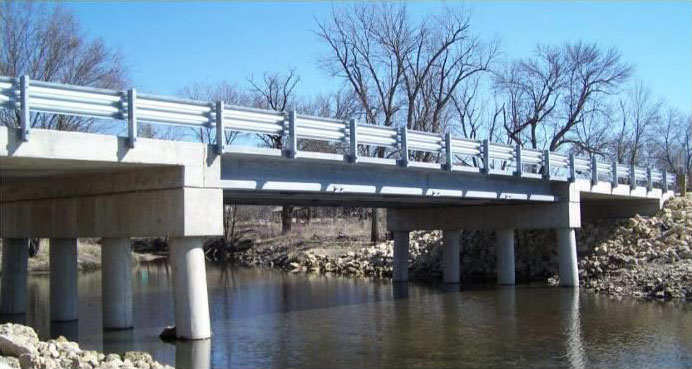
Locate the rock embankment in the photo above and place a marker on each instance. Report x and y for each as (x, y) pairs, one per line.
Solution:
(21, 348)
(648, 257)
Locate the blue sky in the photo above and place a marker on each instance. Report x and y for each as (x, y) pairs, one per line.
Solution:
(170, 45)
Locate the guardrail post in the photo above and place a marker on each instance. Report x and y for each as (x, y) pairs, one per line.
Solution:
(220, 132)
(449, 152)
(403, 142)
(292, 137)
(614, 170)
(546, 164)
(353, 140)
(664, 181)
(131, 117)
(572, 170)
(25, 117)
(486, 156)
(649, 181)
(517, 160)
(633, 177)
(594, 170)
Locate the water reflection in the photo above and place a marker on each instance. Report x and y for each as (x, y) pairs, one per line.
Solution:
(264, 318)
(193, 354)
(400, 290)
(118, 340)
(569, 302)
(69, 330)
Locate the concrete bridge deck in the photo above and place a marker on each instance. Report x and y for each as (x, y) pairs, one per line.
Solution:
(64, 185)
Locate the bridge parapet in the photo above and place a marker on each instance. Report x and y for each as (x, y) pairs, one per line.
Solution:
(399, 145)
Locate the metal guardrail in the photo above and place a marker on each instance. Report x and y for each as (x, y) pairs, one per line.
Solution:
(454, 154)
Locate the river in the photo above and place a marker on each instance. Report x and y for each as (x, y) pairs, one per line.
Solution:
(266, 318)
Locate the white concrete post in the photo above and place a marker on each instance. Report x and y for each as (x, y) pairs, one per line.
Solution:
(567, 254)
(116, 283)
(400, 267)
(15, 253)
(190, 299)
(505, 256)
(63, 279)
(451, 268)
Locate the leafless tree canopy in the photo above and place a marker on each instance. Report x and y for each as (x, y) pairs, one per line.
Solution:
(44, 41)
(275, 91)
(549, 99)
(230, 94)
(403, 72)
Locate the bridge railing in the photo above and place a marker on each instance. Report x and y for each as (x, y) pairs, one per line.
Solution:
(26, 96)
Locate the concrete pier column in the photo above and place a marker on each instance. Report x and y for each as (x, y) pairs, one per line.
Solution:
(190, 300)
(505, 256)
(63, 279)
(116, 283)
(567, 254)
(400, 266)
(15, 253)
(451, 267)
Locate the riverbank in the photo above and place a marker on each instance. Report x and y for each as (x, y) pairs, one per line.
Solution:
(642, 257)
(645, 257)
(20, 347)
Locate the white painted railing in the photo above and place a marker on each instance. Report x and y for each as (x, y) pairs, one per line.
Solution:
(454, 154)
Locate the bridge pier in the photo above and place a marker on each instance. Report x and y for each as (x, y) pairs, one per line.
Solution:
(116, 283)
(505, 256)
(15, 254)
(190, 300)
(63, 279)
(451, 268)
(400, 265)
(567, 255)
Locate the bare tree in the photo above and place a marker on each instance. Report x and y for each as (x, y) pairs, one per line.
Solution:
(276, 92)
(403, 72)
(559, 96)
(45, 42)
(674, 147)
(531, 89)
(590, 74)
(639, 115)
(230, 94)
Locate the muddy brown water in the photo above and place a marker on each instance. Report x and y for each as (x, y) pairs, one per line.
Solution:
(270, 319)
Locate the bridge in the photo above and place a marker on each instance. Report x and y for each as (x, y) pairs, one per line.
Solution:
(63, 185)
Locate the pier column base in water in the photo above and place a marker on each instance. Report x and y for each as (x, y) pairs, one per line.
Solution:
(63, 279)
(190, 300)
(451, 268)
(505, 256)
(400, 266)
(15, 253)
(567, 254)
(116, 283)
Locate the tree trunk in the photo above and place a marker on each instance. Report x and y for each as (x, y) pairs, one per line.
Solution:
(286, 219)
(374, 225)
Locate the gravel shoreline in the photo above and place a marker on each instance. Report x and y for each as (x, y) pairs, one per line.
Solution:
(21, 348)
(642, 257)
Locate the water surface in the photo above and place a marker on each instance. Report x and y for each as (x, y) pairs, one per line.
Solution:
(266, 318)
